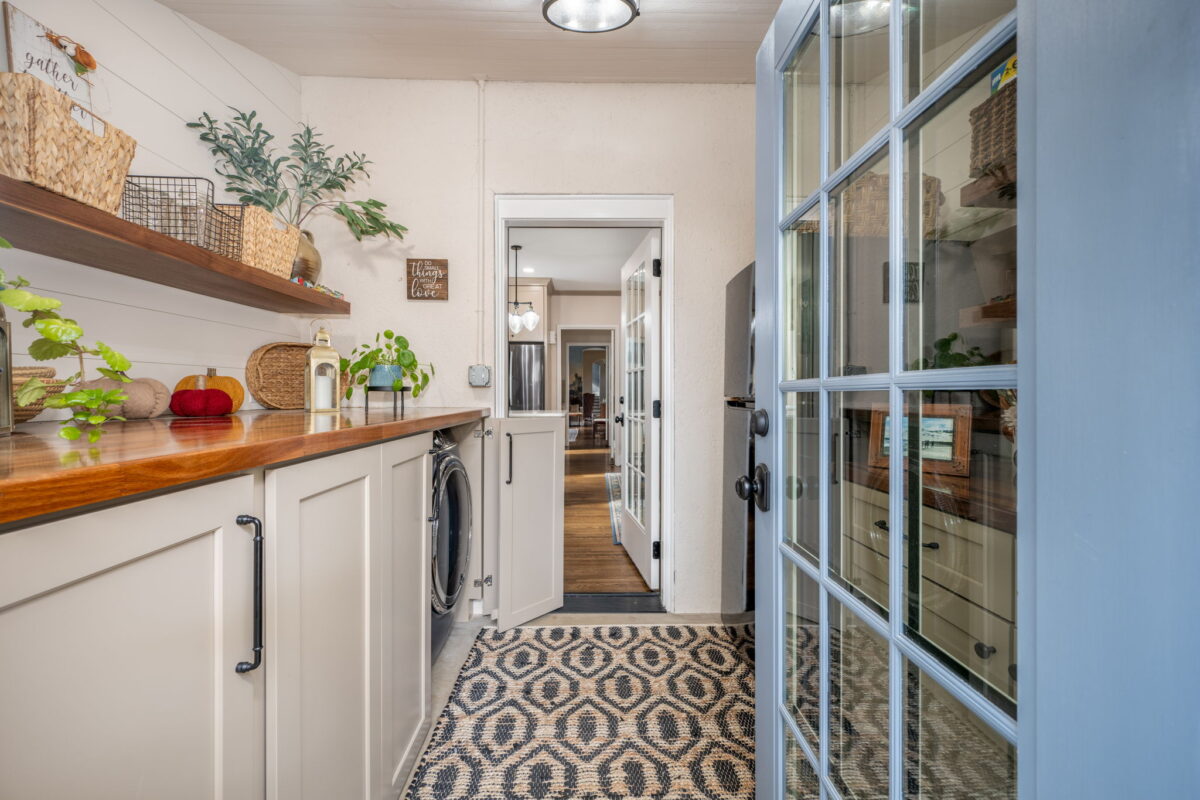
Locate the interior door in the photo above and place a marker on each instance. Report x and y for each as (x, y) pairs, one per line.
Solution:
(532, 459)
(641, 304)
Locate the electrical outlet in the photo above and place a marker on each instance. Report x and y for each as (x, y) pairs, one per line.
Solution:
(479, 375)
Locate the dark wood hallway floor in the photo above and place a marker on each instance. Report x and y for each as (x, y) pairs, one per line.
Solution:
(591, 562)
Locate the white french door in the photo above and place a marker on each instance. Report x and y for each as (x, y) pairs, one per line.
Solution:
(887, 319)
(641, 306)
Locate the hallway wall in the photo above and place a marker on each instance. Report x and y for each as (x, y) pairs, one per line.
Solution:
(440, 175)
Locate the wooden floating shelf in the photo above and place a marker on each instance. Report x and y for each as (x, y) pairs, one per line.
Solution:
(988, 313)
(995, 190)
(41, 221)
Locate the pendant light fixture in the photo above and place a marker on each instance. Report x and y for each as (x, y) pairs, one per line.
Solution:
(516, 319)
(589, 16)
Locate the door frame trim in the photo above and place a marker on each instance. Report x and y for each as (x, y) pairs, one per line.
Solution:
(598, 211)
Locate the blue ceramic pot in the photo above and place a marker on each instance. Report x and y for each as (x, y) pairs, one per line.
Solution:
(384, 375)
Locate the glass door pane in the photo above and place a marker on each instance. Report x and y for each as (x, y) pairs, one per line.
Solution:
(960, 525)
(960, 225)
(938, 32)
(859, 103)
(802, 299)
(858, 706)
(802, 123)
(858, 218)
(802, 481)
(858, 495)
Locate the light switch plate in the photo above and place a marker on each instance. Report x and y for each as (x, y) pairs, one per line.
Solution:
(479, 375)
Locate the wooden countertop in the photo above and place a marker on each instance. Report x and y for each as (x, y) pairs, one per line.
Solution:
(41, 473)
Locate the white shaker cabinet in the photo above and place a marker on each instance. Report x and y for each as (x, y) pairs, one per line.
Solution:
(532, 456)
(120, 631)
(406, 701)
(347, 617)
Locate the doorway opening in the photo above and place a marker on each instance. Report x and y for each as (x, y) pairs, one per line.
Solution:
(595, 358)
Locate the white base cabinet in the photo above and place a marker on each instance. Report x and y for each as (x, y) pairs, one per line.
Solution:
(120, 631)
(119, 634)
(347, 621)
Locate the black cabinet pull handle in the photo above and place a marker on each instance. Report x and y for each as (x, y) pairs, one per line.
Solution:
(984, 650)
(881, 524)
(931, 545)
(510, 448)
(247, 666)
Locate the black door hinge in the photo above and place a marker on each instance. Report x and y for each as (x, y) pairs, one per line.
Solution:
(656, 550)
(657, 268)
(657, 409)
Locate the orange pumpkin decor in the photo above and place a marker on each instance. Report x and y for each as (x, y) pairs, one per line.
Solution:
(211, 380)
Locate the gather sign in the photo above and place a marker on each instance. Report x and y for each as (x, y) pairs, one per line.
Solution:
(428, 279)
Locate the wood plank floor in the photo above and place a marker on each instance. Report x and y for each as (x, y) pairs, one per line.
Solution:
(591, 562)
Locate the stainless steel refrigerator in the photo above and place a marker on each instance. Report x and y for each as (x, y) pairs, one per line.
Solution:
(526, 376)
(737, 562)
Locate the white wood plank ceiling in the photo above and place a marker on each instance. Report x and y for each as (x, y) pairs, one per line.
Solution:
(673, 41)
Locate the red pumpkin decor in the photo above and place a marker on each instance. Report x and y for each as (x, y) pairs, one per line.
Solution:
(200, 403)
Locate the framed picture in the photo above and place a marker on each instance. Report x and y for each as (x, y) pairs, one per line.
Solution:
(945, 446)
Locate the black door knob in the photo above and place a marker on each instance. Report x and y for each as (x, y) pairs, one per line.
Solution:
(745, 487)
(619, 419)
(760, 422)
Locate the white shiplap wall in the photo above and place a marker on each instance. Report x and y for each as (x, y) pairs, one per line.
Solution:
(158, 71)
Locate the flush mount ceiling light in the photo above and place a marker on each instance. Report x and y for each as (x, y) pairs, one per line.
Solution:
(589, 16)
(852, 17)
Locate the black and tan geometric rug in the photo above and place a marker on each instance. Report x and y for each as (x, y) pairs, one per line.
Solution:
(599, 713)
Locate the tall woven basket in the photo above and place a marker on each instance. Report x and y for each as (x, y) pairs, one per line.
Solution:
(266, 243)
(41, 143)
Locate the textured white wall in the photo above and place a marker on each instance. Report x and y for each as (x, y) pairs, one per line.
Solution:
(159, 70)
(691, 141)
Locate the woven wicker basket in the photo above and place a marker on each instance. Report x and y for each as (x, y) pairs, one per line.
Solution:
(41, 143)
(275, 374)
(864, 210)
(20, 376)
(994, 131)
(266, 243)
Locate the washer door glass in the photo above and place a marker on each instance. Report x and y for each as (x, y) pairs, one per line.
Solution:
(451, 533)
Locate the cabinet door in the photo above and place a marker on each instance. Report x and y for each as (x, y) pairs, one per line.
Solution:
(119, 634)
(325, 537)
(406, 688)
(531, 517)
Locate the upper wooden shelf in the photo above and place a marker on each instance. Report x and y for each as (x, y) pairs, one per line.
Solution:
(43, 222)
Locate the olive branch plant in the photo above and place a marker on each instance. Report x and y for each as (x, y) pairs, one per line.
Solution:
(295, 185)
(61, 337)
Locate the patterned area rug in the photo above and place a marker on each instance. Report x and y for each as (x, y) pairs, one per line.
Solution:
(605, 713)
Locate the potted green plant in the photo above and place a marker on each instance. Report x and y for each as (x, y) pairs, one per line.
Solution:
(60, 337)
(387, 363)
(293, 186)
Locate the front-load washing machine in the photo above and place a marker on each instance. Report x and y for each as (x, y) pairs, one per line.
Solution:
(450, 537)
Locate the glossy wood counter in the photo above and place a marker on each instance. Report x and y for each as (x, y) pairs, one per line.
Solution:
(41, 473)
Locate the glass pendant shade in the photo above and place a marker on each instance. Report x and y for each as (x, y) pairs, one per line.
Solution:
(514, 323)
(589, 16)
(530, 318)
(852, 17)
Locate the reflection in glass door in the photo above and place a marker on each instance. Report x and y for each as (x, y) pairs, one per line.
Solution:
(894, 672)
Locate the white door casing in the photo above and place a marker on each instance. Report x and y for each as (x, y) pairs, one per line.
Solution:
(641, 319)
(532, 458)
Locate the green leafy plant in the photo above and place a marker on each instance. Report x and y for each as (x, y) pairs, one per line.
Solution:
(389, 349)
(945, 355)
(294, 185)
(61, 337)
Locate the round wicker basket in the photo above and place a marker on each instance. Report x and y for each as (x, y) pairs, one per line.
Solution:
(275, 374)
(20, 375)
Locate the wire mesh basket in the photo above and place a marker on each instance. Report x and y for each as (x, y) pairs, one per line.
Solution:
(183, 209)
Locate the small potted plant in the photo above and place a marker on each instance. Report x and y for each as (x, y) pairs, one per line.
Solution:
(389, 363)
